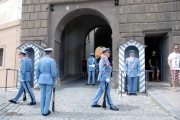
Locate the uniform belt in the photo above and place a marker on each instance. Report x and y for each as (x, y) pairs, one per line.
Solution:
(45, 73)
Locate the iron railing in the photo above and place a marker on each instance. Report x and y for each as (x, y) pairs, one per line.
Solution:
(7, 77)
(146, 79)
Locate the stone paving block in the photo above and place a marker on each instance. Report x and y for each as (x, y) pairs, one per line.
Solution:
(151, 17)
(163, 7)
(34, 16)
(135, 9)
(31, 8)
(131, 18)
(130, 2)
(37, 8)
(150, 26)
(24, 9)
(25, 17)
(127, 9)
(44, 7)
(146, 1)
(138, 1)
(140, 17)
(43, 15)
(124, 28)
(122, 2)
(35, 1)
(69, 106)
(153, 7)
(123, 18)
(144, 8)
(136, 27)
(170, 16)
(171, 6)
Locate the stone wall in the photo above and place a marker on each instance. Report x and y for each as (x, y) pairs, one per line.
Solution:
(139, 16)
(34, 23)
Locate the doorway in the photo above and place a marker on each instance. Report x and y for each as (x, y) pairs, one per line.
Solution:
(157, 42)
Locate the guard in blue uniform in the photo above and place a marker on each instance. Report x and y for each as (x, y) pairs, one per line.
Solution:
(132, 68)
(25, 70)
(46, 77)
(30, 61)
(104, 77)
(91, 66)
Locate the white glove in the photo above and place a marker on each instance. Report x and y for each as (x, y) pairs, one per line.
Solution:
(107, 80)
(22, 80)
(138, 74)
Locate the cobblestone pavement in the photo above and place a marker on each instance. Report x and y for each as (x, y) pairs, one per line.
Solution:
(73, 102)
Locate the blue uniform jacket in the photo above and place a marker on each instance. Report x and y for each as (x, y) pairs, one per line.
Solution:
(46, 71)
(30, 66)
(104, 69)
(132, 67)
(25, 69)
(89, 63)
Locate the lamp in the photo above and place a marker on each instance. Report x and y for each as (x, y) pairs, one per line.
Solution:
(52, 7)
(116, 2)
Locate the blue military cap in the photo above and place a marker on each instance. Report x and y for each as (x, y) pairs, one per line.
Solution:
(27, 52)
(48, 50)
(22, 52)
(106, 49)
(132, 51)
(91, 54)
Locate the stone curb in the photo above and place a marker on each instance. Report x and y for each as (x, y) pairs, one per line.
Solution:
(166, 106)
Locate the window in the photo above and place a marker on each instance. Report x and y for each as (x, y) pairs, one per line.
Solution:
(1, 57)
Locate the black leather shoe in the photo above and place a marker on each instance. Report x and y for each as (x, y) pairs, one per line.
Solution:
(24, 98)
(129, 93)
(134, 94)
(93, 84)
(87, 84)
(12, 101)
(115, 109)
(96, 105)
(49, 112)
(31, 103)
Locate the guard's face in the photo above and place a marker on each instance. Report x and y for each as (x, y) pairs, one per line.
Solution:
(131, 54)
(20, 55)
(154, 53)
(108, 54)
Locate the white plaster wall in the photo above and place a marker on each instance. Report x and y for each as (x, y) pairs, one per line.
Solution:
(90, 44)
(10, 10)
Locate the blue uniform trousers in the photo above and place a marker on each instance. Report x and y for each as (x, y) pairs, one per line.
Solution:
(132, 84)
(27, 87)
(99, 93)
(91, 73)
(46, 92)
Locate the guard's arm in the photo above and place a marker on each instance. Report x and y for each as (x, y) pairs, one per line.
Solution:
(22, 69)
(38, 71)
(53, 70)
(126, 66)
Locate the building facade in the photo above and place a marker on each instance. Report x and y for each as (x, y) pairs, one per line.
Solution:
(65, 25)
(10, 29)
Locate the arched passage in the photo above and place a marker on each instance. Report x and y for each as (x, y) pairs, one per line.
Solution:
(72, 32)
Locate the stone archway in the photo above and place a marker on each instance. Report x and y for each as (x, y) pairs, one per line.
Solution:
(70, 38)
